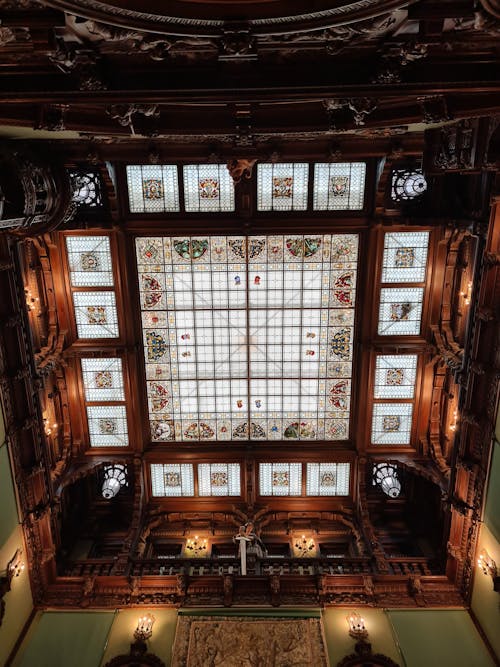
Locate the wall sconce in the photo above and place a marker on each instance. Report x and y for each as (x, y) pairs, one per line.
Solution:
(32, 302)
(356, 623)
(115, 476)
(489, 568)
(14, 568)
(305, 546)
(197, 547)
(144, 628)
(466, 294)
(453, 425)
(48, 428)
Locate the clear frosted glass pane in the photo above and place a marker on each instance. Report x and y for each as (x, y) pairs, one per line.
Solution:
(395, 375)
(172, 479)
(339, 186)
(391, 423)
(89, 259)
(405, 257)
(107, 425)
(208, 188)
(95, 314)
(328, 479)
(400, 311)
(152, 188)
(282, 187)
(103, 379)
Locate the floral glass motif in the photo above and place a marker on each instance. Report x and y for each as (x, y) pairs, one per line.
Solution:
(405, 257)
(306, 247)
(172, 479)
(191, 249)
(327, 479)
(280, 479)
(282, 186)
(159, 396)
(219, 479)
(391, 423)
(208, 187)
(103, 379)
(95, 314)
(395, 375)
(339, 186)
(156, 346)
(153, 188)
(400, 311)
(89, 259)
(107, 425)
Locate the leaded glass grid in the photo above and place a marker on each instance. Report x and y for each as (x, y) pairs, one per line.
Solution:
(219, 479)
(391, 423)
(208, 188)
(248, 337)
(282, 186)
(339, 186)
(89, 259)
(328, 479)
(405, 257)
(152, 188)
(172, 479)
(280, 479)
(107, 425)
(395, 375)
(95, 314)
(400, 311)
(103, 379)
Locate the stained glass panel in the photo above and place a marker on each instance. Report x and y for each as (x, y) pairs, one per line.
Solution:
(107, 425)
(172, 479)
(339, 186)
(282, 187)
(400, 311)
(103, 379)
(391, 423)
(328, 479)
(95, 314)
(405, 257)
(395, 375)
(280, 479)
(219, 479)
(248, 337)
(89, 259)
(208, 188)
(152, 188)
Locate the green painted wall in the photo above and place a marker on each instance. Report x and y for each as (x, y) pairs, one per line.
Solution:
(485, 602)
(8, 506)
(59, 639)
(492, 508)
(439, 638)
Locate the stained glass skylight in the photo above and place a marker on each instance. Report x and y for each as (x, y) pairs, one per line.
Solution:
(107, 425)
(152, 188)
(172, 479)
(280, 479)
(339, 186)
(208, 188)
(395, 375)
(391, 423)
(400, 311)
(405, 257)
(95, 314)
(282, 187)
(89, 259)
(327, 479)
(248, 337)
(219, 479)
(103, 379)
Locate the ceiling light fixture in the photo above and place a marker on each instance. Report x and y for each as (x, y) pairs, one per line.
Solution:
(385, 475)
(115, 477)
(305, 546)
(198, 546)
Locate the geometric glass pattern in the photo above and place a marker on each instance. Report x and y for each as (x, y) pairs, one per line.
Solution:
(395, 375)
(400, 311)
(208, 188)
(280, 479)
(339, 186)
(391, 423)
(152, 188)
(327, 479)
(282, 187)
(219, 479)
(103, 379)
(405, 257)
(95, 314)
(172, 479)
(248, 338)
(89, 259)
(107, 425)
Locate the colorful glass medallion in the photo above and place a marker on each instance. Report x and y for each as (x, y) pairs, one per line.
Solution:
(342, 249)
(338, 395)
(107, 426)
(162, 430)
(199, 432)
(218, 478)
(303, 247)
(400, 311)
(238, 248)
(256, 246)
(89, 261)
(96, 315)
(156, 345)
(340, 344)
(395, 376)
(339, 185)
(280, 478)
(299, 430)
(344, 297)
(159, 396)
(327, 478)
(404, 258)
(191, 249)
(150, 250)
(208, 188)
(152, 188)
(172, 479)
(345, 280)
(241, 431)
(282, 187)
(103, 380)
(391, 423)
(256, 431)
(337, 430)
(150, 283)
